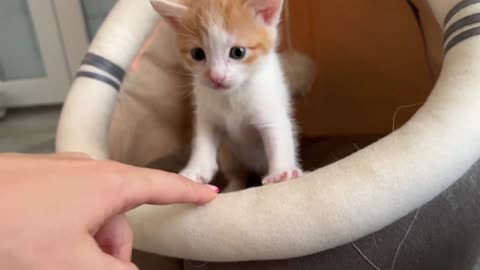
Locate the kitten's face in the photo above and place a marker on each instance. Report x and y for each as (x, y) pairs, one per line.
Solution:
(221, 41)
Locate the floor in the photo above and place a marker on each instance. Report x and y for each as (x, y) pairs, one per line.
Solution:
(29, 131)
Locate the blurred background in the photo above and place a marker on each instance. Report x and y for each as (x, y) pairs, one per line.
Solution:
(42, 43)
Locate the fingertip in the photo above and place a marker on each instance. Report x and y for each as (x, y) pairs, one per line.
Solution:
(213, 188)
(198, 193)
(209, 194)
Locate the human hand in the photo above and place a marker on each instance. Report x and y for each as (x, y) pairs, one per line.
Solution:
(65, 211)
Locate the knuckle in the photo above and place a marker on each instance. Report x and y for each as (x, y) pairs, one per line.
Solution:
(109, 167)
(118, 179)
(79, 155)
(112, 171)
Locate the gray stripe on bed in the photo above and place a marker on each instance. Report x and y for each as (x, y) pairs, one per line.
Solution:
(457, 8)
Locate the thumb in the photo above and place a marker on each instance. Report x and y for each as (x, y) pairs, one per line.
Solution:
(98, 260)
(111, 263)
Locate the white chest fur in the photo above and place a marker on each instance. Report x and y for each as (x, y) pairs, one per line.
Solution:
(255, 118)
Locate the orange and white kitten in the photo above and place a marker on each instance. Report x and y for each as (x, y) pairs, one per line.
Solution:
(240, 93)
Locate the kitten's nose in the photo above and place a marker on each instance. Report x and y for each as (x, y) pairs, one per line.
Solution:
(216, 76)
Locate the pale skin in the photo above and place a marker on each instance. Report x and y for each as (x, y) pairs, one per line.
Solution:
(66, 211)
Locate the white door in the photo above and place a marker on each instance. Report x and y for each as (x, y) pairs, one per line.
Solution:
(79, 21)
(33, 66)
(94, 12)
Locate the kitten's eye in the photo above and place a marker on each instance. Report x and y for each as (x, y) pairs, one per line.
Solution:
(238, 53)
(198, 54)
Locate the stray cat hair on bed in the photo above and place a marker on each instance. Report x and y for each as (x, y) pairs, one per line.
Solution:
(240, 94)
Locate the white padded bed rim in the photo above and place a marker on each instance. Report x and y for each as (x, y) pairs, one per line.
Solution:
(332, 206)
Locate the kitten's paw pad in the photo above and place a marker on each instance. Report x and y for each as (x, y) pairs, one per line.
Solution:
(194, 176)
(283, 176)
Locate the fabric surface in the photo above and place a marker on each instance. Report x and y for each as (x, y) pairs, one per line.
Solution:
(442, 235)
(330, 207)
(353, 197)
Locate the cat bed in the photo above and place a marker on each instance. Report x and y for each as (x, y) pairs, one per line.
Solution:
(326, 208)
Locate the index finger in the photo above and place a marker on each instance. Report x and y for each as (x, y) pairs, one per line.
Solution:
(137, 186)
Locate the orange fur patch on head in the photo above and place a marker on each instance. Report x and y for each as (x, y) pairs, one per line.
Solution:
(236, 17)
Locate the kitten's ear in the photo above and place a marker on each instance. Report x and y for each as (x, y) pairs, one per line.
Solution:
(169, 10)
(268, 10)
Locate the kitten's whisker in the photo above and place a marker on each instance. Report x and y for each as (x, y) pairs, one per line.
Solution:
(186, 85)
(189, 74)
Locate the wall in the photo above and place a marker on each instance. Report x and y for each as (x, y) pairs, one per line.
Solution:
(370, 58)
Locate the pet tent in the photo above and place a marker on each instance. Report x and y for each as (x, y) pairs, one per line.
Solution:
(331, 206)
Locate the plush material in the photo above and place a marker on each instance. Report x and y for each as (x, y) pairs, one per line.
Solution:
(329, 207)
(441, 235)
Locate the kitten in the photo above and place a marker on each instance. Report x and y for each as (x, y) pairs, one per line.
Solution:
(240, 93)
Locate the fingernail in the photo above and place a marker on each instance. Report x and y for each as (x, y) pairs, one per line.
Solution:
(214, 188)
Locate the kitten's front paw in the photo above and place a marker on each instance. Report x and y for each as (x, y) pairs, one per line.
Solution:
(283, 176)
(195, 176)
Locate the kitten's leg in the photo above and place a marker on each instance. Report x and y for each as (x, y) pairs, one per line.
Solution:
(203, 161)
(234, 171)
(280, 146)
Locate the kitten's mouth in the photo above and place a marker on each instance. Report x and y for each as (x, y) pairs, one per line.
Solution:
(220, 86)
